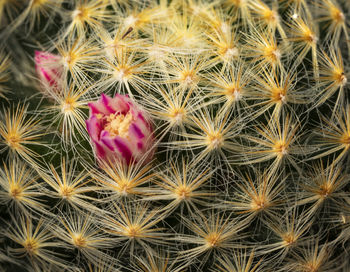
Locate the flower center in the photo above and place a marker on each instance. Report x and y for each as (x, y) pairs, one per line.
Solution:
(118, 124)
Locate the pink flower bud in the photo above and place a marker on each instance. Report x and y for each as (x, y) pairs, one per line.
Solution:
(48, 68)
(120, 130)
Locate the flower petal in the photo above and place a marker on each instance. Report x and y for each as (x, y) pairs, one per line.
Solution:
(106, 101)
(101, 154)
(48, 67)
(120, 104)
(93, 127)
(135, 131)
(123, 148)
(107, 140)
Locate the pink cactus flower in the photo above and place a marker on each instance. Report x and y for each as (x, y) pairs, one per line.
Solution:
(120, 130)
(48, 68)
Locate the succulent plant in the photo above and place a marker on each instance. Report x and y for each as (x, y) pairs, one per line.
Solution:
(174, 135)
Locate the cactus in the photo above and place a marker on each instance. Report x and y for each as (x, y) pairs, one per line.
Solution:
(174, 135)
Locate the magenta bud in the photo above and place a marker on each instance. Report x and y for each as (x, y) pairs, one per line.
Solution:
(49, 69)
(120, 130)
